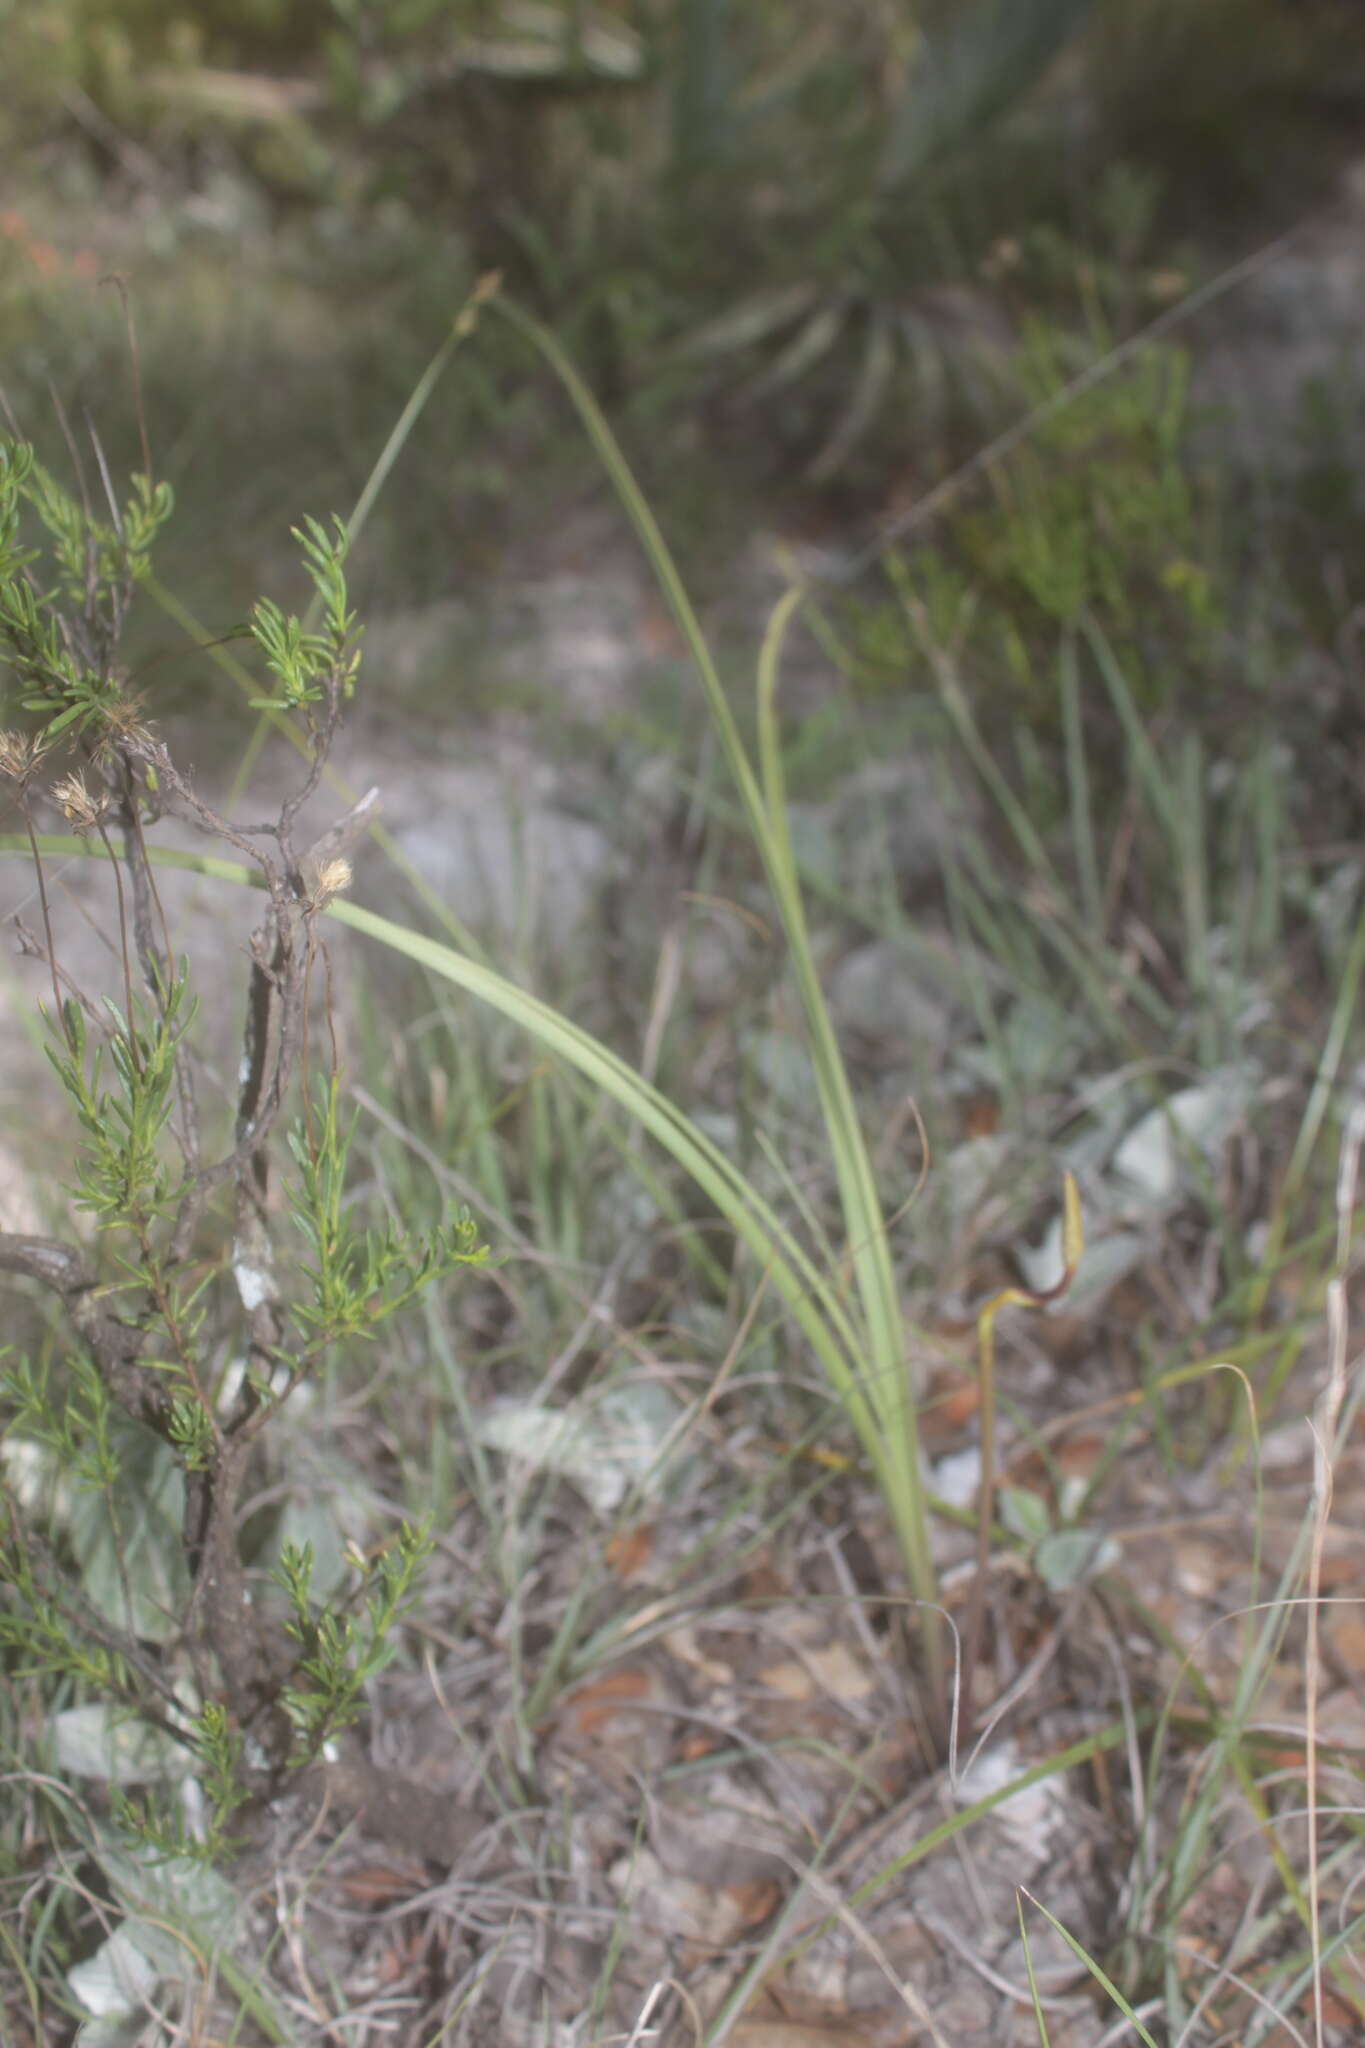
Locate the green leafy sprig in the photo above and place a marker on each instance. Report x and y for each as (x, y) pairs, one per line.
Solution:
(342, 1652)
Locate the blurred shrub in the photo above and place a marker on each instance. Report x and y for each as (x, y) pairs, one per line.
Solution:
(820, 223)
(1244, 104)
(1104, 516)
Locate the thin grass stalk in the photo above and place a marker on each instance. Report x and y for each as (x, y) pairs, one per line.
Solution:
(731, 1540)
(894, 1444)
(1326, 1422)
(1344, 1944)
(1035, 1997)
(988, 910)
(1242, 1765)
(269, 720)
(22, 1977)
(1078, 790)
(964, 903)
(1098, 1743)
(1106, 1983)
(1146, 760)
(880, 1345)
(272, 721)
(1249, 1644)
(1319, 1102)
(1192, 877)
(1268, 804)
(1329, 1065)
(1051, 921)
(1073, 1246)
(955, 703)
(767, 1962)
(1188, 1855)
(656, 551)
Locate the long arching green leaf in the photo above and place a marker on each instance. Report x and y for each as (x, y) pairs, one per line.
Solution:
(884, 1412)
(811, 1296)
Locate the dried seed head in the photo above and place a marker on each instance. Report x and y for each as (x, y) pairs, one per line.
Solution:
(334, 876)
(125, 721)
(81, 810)
(19, 757)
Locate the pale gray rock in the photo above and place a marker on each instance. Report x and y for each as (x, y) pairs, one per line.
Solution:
(879, 993)
(567, 639)
(505, 858)
(894, 817)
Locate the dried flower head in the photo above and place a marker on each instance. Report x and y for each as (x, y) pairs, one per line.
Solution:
(81, 810)
(20, 757)
(333, 877)
(125, 722)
